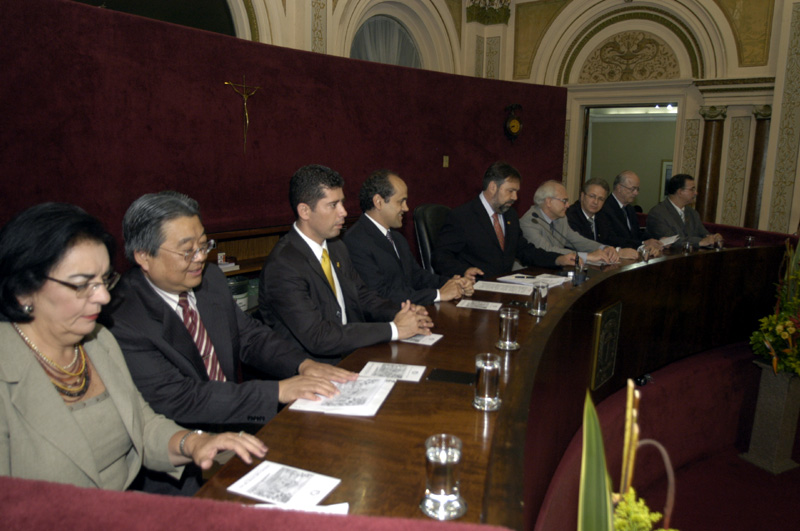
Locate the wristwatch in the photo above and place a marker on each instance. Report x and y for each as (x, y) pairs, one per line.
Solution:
(183, 441)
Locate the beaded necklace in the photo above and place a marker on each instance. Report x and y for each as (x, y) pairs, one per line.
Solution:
(73, 385)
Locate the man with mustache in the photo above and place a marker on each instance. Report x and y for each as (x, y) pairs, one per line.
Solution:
(484, 233)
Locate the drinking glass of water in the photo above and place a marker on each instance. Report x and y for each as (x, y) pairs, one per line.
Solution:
(487, 382)
(509, 322)
(442, 500)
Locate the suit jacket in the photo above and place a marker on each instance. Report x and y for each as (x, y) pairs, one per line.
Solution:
(578, 222)
(39, 439)
(296, 300)
(664, 220)
(467, 239)
(563, 240)
(397, 278)
(167, 367)
(615, 221)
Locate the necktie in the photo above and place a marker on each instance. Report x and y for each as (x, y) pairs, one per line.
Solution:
(594, 230)
(391, 240)
(499, 231)
(683, 216)
(326, 268)
(198, 332)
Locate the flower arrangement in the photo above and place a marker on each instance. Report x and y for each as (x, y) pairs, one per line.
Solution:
(598, 508)
(778, 335)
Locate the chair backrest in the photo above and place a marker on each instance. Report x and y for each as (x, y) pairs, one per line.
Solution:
(428, 219)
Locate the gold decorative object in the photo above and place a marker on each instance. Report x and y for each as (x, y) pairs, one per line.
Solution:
(242, 90)
(604, 345)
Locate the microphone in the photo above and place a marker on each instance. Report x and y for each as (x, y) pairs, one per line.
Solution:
(551, 227)
(579, 276)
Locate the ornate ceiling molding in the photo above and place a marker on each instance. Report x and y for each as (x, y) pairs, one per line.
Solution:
(661, 17)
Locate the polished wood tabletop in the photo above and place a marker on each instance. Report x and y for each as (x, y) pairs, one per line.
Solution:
(672, 307)
(381, 459)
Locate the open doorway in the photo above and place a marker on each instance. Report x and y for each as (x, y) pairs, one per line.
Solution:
(635, 138)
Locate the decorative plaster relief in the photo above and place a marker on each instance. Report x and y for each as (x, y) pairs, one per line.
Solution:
(751, 22)
(488, 12)
(630, 56)
(531, 22)
(736, 170)
(691, 141)
(712, 113)
(763, 112)
(493, 58)
(788, 139)
(631, 15)
(319, 24)
(479, 52)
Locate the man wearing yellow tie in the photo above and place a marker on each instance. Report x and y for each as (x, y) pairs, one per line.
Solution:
(309, 291)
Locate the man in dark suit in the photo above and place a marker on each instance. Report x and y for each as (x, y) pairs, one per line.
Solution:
(192, 375)
(381, 255)
(184, 338)
(619, 216)
(484, 233)
(674, 217)
(311, 294)
(582, 215)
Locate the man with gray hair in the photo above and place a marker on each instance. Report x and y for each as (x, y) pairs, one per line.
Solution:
(545, 225)
(620, 217)
(184, 337)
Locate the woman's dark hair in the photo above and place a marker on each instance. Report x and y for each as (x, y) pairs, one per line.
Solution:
(34, 242)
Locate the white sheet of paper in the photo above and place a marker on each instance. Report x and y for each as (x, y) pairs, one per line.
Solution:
(359, 398)
(284, 485)
(334, 508)
(393, 371)
(503, 287)
(528, 280)
(666, 241)
(553, 281)
(420, 339)
(480, 305)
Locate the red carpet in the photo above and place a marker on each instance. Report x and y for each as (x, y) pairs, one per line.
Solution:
(724, 492)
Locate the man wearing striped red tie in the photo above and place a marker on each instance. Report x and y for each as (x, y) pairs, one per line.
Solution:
(184, 337)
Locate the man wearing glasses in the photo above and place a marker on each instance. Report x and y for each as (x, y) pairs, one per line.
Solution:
(184, 337)
(673, 216)
(620, 218)
(545, 225)
(582, 215)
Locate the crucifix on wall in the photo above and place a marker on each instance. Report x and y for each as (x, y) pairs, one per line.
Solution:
(245, 92)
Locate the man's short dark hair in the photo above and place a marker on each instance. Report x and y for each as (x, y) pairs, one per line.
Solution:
(676, 182)
(309, 183)
(377, 183)
(142, 226)
(498, 173)
(596, 182)
(34, 242)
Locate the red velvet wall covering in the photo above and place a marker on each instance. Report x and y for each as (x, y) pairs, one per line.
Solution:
(99, 107)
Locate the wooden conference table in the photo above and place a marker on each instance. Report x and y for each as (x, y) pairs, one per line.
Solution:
(673, 307)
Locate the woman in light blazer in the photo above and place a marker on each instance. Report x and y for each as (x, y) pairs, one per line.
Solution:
(69, 411)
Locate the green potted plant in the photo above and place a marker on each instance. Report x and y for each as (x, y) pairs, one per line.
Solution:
(775, 342)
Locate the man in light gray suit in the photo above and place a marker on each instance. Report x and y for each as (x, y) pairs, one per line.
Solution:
(673, 216)
(545, 225)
